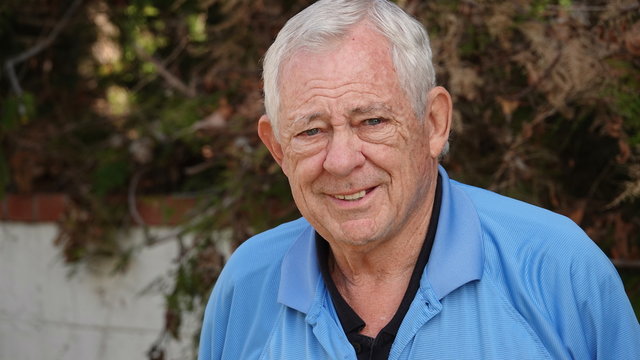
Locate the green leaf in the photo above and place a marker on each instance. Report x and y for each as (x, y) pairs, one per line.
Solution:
(109, 176)
(16, 111)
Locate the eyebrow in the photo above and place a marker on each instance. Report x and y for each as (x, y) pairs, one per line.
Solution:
(307, 118)
(359, 110)
(376, 107)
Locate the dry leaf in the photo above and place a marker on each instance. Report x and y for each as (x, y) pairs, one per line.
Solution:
(508, 106)
(632, 39)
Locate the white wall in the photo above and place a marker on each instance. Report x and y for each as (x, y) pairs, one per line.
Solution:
(46, 313)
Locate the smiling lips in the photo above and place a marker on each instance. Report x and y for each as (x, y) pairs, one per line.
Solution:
(352, 197)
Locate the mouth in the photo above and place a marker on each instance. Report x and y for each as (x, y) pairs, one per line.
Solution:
(354, 196)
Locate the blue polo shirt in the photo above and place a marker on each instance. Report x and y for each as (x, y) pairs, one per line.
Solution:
(505, 280)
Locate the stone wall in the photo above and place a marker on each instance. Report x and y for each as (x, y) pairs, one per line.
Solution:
(48, 311)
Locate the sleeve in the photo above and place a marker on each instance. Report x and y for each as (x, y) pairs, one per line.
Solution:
(214, 326)
(609, 322)
(593, 313)
(243, 307)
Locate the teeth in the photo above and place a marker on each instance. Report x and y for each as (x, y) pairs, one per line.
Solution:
(356, 196)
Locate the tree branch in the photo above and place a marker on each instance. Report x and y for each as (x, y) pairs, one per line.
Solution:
(168, 60)
(624, 264)
(10, 64)
(171, 79)
(131, 198)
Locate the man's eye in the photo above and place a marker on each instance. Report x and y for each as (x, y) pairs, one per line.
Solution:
(310, 132)
(373, 121)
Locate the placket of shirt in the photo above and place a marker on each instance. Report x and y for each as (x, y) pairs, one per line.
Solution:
(424, 307)
(326, 328)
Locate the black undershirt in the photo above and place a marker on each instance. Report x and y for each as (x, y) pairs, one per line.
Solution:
(368, 348)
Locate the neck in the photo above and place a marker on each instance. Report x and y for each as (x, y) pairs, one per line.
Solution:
(384, 259)
(373, 277)
(384, 262)
(373, 282)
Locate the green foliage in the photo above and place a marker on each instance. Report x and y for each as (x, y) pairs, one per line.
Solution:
(109, 176)
(626, 100)
(16, 111)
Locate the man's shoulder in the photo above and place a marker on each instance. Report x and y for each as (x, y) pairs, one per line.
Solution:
(274, 240)
(512, 215)
(264, 250)
(512, 226)
(526, 236)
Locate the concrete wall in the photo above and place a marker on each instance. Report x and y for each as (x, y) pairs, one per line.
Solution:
(47, 313)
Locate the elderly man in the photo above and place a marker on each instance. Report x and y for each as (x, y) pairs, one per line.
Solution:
(393, 260)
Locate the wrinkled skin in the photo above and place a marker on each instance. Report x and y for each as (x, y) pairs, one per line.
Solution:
(361, 167)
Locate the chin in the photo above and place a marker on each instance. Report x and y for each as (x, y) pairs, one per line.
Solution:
(360, 234)
(356, 241)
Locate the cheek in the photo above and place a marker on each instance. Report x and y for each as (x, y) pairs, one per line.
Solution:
(289, 161)
(302, 171)
(417, 153)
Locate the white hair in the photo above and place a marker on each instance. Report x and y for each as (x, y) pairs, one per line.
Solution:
(326, 22)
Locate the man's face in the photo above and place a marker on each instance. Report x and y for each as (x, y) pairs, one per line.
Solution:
(360, 165)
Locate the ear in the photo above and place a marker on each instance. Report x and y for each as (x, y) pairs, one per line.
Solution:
(438, 119)
(267, 135)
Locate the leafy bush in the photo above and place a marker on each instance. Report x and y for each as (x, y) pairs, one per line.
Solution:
(109, 101)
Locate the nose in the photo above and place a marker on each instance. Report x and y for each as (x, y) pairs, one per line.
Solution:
(344, 153)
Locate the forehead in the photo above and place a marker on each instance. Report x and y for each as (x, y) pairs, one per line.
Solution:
(360, 65)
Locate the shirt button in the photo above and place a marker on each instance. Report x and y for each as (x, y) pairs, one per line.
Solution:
(357, 347)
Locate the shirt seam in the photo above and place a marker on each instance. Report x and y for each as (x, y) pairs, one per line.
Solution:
(265, 349)
(516, 315)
